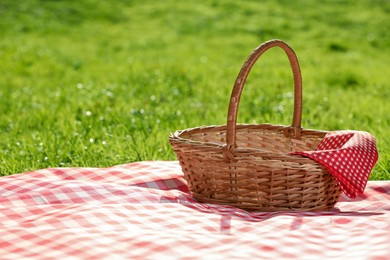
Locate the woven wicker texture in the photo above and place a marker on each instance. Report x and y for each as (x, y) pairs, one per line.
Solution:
(250, 166)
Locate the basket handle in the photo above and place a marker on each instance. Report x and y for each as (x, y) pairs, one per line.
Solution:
(295, 129)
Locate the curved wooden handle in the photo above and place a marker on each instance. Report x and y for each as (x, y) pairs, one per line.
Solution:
(239, 85)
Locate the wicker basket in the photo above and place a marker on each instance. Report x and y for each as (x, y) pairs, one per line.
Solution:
(250, 166)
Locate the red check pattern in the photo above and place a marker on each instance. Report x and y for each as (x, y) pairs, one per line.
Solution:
(349, 156)
(144, 211)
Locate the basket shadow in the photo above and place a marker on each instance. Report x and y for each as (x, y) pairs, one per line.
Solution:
(164, 184)
(300, 219)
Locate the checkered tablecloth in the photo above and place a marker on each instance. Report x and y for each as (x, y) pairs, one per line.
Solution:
(144, 211)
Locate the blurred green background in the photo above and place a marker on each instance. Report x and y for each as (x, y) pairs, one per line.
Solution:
(100, 83)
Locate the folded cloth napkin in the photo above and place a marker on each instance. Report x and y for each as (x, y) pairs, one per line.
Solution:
(349, 156)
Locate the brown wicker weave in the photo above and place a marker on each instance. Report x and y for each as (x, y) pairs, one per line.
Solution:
(249, 166)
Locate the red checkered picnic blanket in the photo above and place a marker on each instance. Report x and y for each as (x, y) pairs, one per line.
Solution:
(144, 210)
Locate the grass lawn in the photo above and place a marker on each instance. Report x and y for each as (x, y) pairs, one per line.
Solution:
(99, 83)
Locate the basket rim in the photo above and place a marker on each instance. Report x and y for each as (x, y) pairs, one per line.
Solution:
(179, 135)
(272, 127)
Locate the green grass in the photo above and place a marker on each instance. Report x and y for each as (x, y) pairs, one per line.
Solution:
(100, 83)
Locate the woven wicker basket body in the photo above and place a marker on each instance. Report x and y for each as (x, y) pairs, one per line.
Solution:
(250, 166)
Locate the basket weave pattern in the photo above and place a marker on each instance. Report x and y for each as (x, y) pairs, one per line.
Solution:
(249, 166)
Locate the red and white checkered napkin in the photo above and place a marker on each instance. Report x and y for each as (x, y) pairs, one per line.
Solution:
(349, 156)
